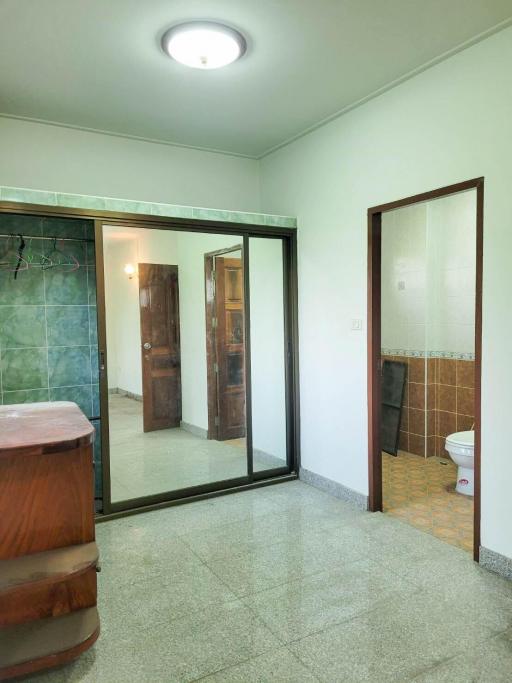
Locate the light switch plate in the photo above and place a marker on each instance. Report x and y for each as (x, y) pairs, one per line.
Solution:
(357, 324)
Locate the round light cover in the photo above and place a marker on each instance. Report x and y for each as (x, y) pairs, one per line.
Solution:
(203, 44)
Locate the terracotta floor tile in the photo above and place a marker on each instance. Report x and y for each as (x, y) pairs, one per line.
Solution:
(421, 491)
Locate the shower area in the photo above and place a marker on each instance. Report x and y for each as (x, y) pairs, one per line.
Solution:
(428, 279)
(48, 321)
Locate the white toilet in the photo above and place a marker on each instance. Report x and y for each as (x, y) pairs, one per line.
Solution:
(461, 446)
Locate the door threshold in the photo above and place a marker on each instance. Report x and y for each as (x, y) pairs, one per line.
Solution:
(200, 496)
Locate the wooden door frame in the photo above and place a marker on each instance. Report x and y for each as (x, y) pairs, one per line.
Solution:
(374, 341)
(211, 346)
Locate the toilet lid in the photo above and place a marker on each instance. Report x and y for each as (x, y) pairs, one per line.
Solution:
(462, 438)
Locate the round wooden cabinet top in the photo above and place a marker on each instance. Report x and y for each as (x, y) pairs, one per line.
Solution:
(43, 427)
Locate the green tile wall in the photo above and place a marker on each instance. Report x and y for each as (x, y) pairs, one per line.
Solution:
(20, 194)
(48, 325)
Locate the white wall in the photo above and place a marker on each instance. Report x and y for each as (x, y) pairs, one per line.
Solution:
(267, 347)
(451, 274)
(45, 157)
(404, 279)
(428, 277)
(122, 317)
(448, 124)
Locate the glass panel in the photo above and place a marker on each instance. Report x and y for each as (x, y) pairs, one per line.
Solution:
(176, 366)
(267, 353)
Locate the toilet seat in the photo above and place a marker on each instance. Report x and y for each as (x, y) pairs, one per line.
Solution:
(462, 443)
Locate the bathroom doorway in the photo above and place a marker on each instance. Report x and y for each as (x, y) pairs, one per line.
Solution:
(424, 360)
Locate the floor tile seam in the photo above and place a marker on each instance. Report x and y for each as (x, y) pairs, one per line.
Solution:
(112, 555)
(310, 574)
(200, 611)
(301, 579)
(163, 585)
(232, 666)
(273, 587)
(254, 547)
(307, 667)
(267, 626)
(177, 571)
(245, 518)
(250, 548)
(210, 569)
(219, 526)
(170, 620)
(217, 575)
(432, 591)
(452, 657)
(344, 621)
(431, 669)
(329, 627)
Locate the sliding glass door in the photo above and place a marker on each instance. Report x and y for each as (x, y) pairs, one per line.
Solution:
(196, 368)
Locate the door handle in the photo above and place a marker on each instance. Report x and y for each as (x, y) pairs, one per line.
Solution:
(147, 346)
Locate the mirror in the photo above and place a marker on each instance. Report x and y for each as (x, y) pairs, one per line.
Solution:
(175, 319)
(267, 325)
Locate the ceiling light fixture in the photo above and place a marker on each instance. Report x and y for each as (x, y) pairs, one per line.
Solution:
(203, 44)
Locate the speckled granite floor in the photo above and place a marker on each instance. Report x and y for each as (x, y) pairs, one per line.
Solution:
(289, 584)
(421, 491)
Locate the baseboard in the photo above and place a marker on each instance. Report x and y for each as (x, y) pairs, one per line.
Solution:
(494, 562)
(126, 394)
(194, 429)
(336, 489)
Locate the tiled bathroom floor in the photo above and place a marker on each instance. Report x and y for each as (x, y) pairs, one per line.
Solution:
(287, 584)
(421, 491)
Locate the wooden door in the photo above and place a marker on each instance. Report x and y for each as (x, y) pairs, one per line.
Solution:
(160, 346)
(229, 361)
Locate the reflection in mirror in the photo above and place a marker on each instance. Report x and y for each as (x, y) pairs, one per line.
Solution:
(267, 353)
(176, 367)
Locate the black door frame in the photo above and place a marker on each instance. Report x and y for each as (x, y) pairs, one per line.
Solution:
(288, 238)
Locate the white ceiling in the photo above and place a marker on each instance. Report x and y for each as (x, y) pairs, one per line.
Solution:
(97, 63)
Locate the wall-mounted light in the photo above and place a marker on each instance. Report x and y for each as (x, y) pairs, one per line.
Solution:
(130, 270)
(204, 44)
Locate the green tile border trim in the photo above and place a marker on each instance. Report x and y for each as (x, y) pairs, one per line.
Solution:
(412, 353)
(81, 201)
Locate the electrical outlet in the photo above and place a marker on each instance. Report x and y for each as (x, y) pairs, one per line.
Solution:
(401, 284)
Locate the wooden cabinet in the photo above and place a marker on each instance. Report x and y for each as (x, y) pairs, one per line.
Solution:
(48, 557)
